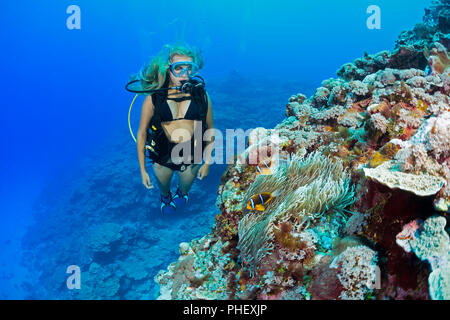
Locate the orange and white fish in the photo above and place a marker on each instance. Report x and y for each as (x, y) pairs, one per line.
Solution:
(265, 167)
(259, 201)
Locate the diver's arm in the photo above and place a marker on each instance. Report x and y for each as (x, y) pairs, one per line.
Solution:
(210, 123)
(146, 116)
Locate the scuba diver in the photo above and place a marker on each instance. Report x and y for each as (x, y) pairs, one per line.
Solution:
(176, 103)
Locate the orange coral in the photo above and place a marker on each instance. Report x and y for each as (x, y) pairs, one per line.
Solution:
(390, 150)
(387, 152)
(377, 159)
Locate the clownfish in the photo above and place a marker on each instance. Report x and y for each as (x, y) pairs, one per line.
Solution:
(260, 200)
(264, 167)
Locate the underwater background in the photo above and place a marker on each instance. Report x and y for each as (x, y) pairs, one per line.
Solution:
(71, 191)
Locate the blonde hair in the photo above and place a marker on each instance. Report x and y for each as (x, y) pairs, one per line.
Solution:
(154, 74)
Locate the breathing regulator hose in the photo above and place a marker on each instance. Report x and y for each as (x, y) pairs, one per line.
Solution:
(129, 122)
(186, 86)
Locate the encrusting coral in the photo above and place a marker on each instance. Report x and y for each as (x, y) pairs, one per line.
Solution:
(199, 273)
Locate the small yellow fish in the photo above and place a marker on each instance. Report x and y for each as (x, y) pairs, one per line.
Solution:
(260, 200)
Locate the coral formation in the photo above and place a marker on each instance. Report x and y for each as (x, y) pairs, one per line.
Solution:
(421, 185)
(438, 59)
(102, 237)
(363, 167)
(199, 273)
(100, 283)
(356, 272)
(429, 241)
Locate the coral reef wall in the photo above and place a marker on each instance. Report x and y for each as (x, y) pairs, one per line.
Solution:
(355, 204)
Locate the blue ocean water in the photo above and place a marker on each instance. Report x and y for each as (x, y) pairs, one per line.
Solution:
(68, 161)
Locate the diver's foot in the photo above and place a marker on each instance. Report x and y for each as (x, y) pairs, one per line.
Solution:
(179, 198)
(167, 204)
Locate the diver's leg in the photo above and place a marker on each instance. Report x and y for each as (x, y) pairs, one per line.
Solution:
(186, 178)
(163, 178)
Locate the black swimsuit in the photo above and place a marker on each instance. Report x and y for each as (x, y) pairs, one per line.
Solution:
(194, 112)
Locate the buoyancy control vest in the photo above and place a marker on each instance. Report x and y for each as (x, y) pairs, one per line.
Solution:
(161, 146)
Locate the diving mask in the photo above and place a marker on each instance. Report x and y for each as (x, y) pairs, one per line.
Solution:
(182, 68)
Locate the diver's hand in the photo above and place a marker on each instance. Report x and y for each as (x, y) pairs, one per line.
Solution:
(146, 180)
(203, 171)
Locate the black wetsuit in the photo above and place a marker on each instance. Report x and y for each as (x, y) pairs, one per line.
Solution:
(197, 110)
